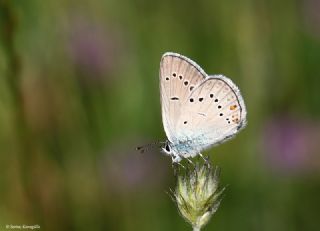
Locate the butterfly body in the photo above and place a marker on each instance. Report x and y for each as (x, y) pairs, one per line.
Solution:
(198, 110)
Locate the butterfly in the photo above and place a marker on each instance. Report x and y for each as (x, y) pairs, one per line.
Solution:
(198, 110)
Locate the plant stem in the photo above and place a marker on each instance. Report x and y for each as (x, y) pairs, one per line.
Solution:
(196, 228)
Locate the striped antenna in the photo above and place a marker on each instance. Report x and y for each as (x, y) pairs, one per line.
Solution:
(147, 147)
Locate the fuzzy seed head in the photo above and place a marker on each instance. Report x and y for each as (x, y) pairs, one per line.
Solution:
(197, 195)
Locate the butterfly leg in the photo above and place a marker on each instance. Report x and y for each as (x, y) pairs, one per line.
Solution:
(190, 161)
(176, 162)
(175, 166)
(186, 158)
(205, 158)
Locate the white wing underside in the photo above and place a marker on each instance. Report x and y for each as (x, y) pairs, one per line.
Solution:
(198, 111)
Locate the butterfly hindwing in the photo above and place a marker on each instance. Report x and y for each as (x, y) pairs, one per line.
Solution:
(213, 113)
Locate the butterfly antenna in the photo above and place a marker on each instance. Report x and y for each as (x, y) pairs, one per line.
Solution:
(147, 147)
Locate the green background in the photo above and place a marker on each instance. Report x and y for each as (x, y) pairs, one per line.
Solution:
(79, 91)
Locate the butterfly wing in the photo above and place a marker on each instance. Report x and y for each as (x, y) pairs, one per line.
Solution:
(213, 113)
(179, 76)
(198, 111)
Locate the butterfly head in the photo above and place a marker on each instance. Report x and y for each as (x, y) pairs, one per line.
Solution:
(167, 149)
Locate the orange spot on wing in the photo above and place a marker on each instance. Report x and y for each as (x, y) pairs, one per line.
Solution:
(233, 107)
(236, 120)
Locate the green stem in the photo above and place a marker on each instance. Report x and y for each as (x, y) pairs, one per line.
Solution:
(196, 228)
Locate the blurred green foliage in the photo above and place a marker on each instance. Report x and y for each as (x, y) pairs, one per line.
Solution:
(79, 90)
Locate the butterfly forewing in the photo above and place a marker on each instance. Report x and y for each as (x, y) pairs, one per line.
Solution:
(179, 76)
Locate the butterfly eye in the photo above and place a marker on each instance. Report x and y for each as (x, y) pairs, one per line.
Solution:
(174, 74)
(180, 76)
(167, 148)
(186, 83)
(211, 95)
